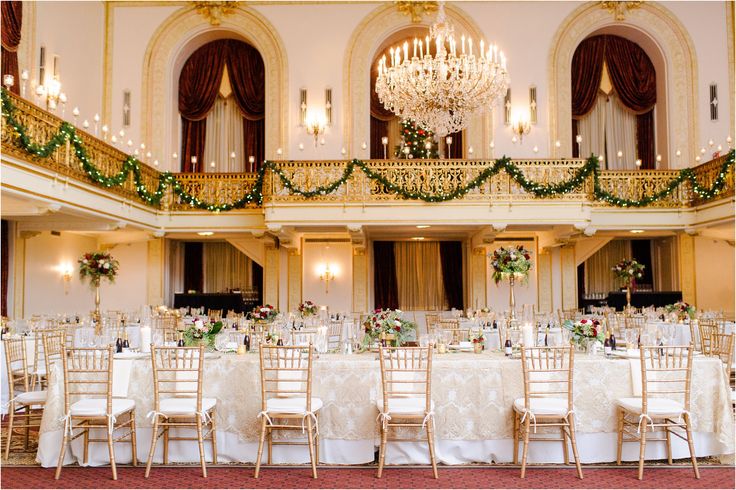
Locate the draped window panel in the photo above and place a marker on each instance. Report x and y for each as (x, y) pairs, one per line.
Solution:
(199, 84)
(633, 78)
(383, 123)
(620, 133)
(385, 293)
(225, 268)
(224, 135)
(174, 273)
(419, 276)
(12, 20)
(598, 275)
(5, 256)
(593, 125)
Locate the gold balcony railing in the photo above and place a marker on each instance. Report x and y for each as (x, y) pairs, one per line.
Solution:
(417, 179)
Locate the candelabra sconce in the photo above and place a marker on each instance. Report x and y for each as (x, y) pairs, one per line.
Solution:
(315, 126)
(520, 125)
(8, 81)
(448, 142)
(384, 142)
(66, 275)
(326, 274)
(51, 93)
(579, 141)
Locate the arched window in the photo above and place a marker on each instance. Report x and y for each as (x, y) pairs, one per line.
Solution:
(614, 92)
(222, 108)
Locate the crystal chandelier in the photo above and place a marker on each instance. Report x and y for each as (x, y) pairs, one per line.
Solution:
(438, 87)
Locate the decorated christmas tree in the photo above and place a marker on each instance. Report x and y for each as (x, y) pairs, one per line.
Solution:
(420, 142)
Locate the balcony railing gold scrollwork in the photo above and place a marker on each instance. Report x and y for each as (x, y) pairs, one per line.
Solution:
(370, 182)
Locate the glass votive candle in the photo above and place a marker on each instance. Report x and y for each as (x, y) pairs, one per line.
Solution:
(442, 348)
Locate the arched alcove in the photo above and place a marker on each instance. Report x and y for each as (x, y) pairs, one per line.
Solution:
(172, 44)
(655, 29)
(380, 25)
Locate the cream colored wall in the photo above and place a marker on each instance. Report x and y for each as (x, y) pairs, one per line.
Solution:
(340, 256)
(315, 37)
(714, 275)
(44, 287)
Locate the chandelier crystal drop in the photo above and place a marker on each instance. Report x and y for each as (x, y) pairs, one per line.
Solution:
(443, 83)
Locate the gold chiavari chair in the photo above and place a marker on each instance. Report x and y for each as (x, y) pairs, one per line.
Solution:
(722, 346)
(216, 314)
(178, 402)
(25, 407)
(638, 322)
(547, 402)
(52, 344)
(89, 404)
(706, 330)
(304, 337)
(695, 335)
(286, 396)
(38, 369)
(664, 404)
(406, 382)
(430, 321)
(334, 334)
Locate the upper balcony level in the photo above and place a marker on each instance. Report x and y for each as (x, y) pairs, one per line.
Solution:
(49, 160)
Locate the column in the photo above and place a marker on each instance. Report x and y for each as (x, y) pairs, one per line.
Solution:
(295, 279)
(687, 268)
(569, 277)
(360, 280)
(271, 276)
(156, 270)
(544, 286)
(478, 278)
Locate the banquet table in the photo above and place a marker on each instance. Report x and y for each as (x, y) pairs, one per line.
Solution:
(681, 330)
(473, 394)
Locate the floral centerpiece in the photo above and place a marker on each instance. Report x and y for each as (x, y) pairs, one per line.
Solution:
(512, 264)
(202, 332)
(265, 313)
(584, 332)
(682, 310)
(387, 323)
(97, 266)
(478, 340)
(308, 309)
(629, 270)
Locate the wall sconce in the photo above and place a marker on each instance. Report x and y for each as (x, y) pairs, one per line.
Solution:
(520, 124)
(315, 126)
(327, 274)
(66, 271)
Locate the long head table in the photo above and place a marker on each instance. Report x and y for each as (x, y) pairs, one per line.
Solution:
(473, 394)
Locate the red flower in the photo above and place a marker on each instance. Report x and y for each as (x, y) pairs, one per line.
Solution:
(398, 329)
(583, 321)
(595, 332)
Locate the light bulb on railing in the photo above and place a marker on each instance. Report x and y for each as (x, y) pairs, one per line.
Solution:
(619, 154)
(697, 158)
(232, 155)
(114, 139)
(659, 158)
(130, 143)
(301, 146)
(729, 140)
(470, 151)
(174, 156)
(558, 144)
(135, 152)
(155, 163)
(75, 113)
(711, 142)
(105, 129)
(343, 151)
(535, 149)
(279, 151)
(638, 163)
(8, 80)
(85, 124)
(122, 133)
(212, 164)
(148, 155)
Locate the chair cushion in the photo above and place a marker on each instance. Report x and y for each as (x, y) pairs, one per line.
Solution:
(32, 398)
(407, 406)
(185, 406)
(655, 406)
(97, 407)
(543, 406)
(291, 405)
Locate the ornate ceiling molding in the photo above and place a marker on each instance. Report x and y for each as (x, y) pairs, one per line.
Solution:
(618, 8)
(416, 10)
(215, 12)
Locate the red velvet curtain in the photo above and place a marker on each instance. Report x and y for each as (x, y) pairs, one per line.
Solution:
(632, 76)
(199, 84)
(248, 80)
(12, 19)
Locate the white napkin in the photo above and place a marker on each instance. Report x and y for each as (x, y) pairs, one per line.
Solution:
(635, 376)
(121, 377)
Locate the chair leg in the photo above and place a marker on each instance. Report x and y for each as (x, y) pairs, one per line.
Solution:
(642, 449)
(260, 447)
(316, 444)
(573, 440)
(668, 442)
(525, 451)
(67, 429)
(213, 429)
(26, 430)
(691, 446)
(430, 442)
(85, 440)
(166, 443)
(200, 443)
(310, 435)
(516, 437)
(133, 440)
(11, 416)
(382, 450)
(269, 439)
(111, 449)
(565, 451)
(620, 444)
(154, 438)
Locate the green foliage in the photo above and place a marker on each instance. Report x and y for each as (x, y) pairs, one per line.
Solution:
(416, 139)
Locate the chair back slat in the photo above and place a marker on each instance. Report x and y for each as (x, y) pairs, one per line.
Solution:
(87, 374)
(177, 373)
(286, 372)
(706, 330)
(547, 373)
(16, 365)
(52, 343)
(721, 346)
(666, 373)
(406, 372)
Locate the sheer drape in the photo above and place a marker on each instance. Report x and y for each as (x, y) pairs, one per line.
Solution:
(199, 84)
(633, 77)
(620, 135)
(12, 20)
(419, 276)
(174, 272)
(451, 256)
(224, 135)
(593, 125)
(385, 293)
(598, 275)
(225, 268)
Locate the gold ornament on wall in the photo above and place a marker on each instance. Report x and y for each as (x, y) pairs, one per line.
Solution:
(214, 12)
(619, 9)
(416, 9)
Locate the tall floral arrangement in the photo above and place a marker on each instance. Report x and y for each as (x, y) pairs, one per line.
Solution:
(681, 309)
(629, 270)
(388, 322)
(508, 262)
(96, 266)
(308, 308)
(264, 313)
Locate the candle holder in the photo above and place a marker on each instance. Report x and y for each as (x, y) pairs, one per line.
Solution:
(384, 142)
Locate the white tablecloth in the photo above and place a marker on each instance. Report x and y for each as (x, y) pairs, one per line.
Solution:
(681, 330)
(473, 395)
(84, 335)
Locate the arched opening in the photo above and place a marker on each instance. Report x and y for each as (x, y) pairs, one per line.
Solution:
(404, 139)
(221, 104)
(614, 102)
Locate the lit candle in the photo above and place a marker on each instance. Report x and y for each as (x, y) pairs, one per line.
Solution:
(364, 145)
(155, 163)
(659, 158)
(193, 160)
(535, 149)
(85, 124)
(557, 144)
(251, 161)
(279, 151)
(619, 153)
(301, 146)
(174, 156)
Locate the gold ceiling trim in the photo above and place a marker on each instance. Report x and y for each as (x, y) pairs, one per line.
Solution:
(416, 10)
(619, 9)
(215, 12)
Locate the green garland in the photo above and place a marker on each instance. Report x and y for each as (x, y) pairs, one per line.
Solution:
(67, 132)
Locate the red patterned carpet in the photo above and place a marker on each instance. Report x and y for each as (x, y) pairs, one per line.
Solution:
(474, 477)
